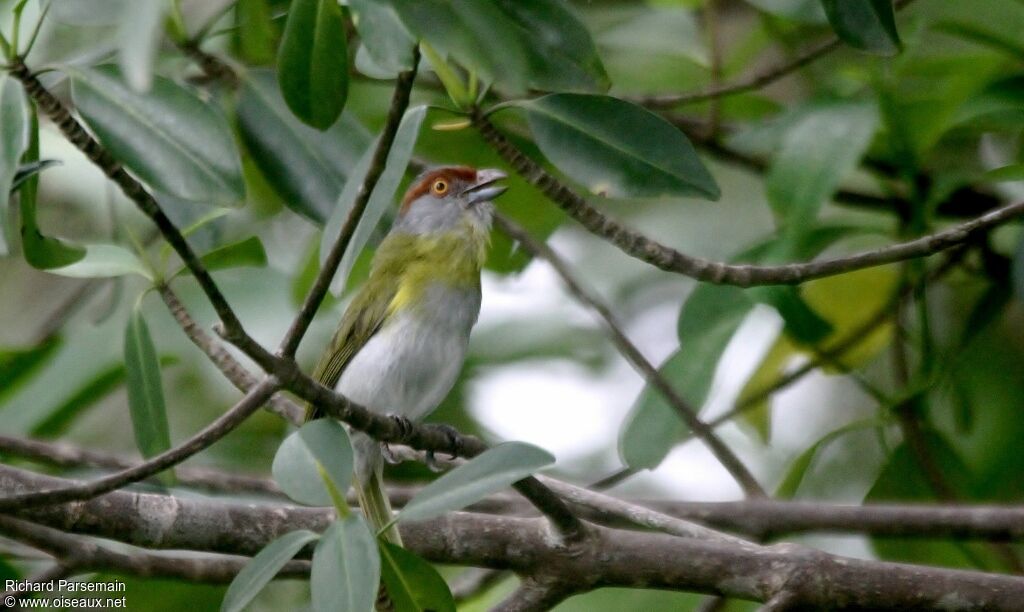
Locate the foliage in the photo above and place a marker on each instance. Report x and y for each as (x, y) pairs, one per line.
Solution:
(911, 123)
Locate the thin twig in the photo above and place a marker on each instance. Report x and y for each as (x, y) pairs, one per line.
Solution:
(650, 373)
(399, 102)
(169, 458)
(666, 258)
(752, 83)
(234, 371)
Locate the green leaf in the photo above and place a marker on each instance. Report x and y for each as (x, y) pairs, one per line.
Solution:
(258, 572)
(1004, 174)
(40, 251)
(617, 148)
(145, 388)
(707, 322)
(346, 567)
(104, 261)
(868, 25)
(247, 252)
(487, 473)
(538, 44)
(385, 38)
(101, 385)
(805, 11)
(380, 200)
(256, 32)
(798, 469)
(413, 585)
(168, 137)
(1018, 271)
(139, 33)
(820, 149)
(983, 36)
(307, 168)
(312, 62)
(14, 139)
(17, 366)
(27, 171)
(323, 442)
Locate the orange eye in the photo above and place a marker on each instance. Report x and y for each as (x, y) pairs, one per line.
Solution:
(440, 187)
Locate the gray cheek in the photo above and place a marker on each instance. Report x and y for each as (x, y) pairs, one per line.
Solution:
(426, 216)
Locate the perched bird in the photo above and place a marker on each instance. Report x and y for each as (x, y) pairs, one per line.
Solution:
(401, 343)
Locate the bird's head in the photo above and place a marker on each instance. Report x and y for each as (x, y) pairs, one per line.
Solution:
(445, 198)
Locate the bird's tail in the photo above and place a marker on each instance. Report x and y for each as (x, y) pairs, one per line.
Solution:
(373, 498)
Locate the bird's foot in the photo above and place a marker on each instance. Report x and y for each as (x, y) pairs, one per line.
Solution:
(404, 425)
(454, 444)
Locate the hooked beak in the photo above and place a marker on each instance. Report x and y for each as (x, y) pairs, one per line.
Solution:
(485, 187)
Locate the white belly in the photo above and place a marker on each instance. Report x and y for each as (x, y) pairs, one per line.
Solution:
(412, 362)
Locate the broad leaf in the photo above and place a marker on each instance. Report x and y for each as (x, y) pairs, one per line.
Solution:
(385, 38)
(14, 139)
(247, 252)
(868, 25)
(322, 443)
(104, 261)
(707, 322)
(538, 44)
(307, 168)
(487, 473)
(140, 32)
(617, 148)
(145, 388)
(171, 139)
(346, 567)
(798, 469)
(312, 62)
(258, 572)
(817, 153)
(413, 585)
(380, 200)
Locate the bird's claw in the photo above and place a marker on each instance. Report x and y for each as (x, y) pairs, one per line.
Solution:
(453, 437)
(389, 455)
(404, 425)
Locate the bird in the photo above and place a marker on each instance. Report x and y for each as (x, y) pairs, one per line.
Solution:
(401, 342)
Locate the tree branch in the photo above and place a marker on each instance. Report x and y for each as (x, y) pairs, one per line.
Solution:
(609, 558)
(234, 371)
(169, 458)
(666, 258)
(77, 554)
(632, 354)
(399, 102)
(535, 594)
(754, 82)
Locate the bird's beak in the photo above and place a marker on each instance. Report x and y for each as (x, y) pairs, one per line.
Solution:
(485, 187)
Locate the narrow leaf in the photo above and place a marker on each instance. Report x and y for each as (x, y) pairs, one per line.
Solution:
(247, 252)
(868, 25)
(488, 473)
(258, 572)
(1018, 271)
(617, 148)
(413, 585)
(14, 139)
(323, 442)
(707, 322)
(145, 388)
(313, 62)
(346, 567)
(28, 170)
(139, 36)
(17, 366)
(798, 469)
(385, 38)
(171, 139)
(104, 261)
(380, 200)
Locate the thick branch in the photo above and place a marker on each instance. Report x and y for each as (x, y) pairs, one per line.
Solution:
(629, 350)
(399, 102)
(78, 554)
(666, 258)
(169, 458)
(608, 558)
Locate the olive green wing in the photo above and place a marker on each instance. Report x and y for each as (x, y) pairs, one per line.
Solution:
(363, 318)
